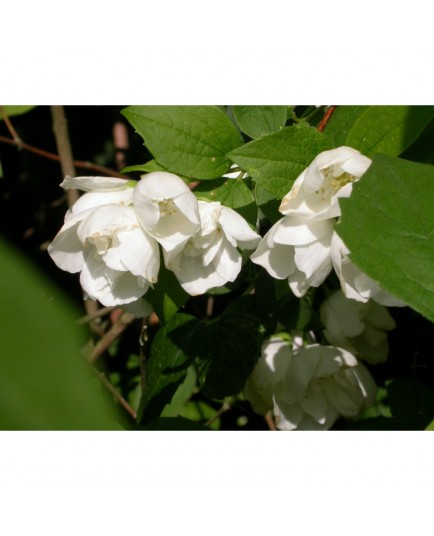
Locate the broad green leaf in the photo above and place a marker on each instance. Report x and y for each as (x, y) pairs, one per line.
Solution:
(168, 296)
(45, 383)
(378, 129)
(189, 140)
(11, 110)
(411, 400)
(149, 167)
(388, 225)
(172, 352)
(232, 193)
(276, 160)
(257, 121)
(231, 345)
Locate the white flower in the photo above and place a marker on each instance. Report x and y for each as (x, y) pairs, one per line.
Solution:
(354, 283)
(103, 239)
(299, 250)
(167, 209)
(210, 257)
(357, 327)
(303, 245)
(310, 389)
(298, 246)
(330, 176)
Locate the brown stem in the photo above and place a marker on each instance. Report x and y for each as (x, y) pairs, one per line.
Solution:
(224, 407)
(98, 314)
(60, 128)
(112, 334)
(121, 143)
(51, 156)
(10, 127)
(143, 341)
(270, 422)
(102, 378)
(326, 118)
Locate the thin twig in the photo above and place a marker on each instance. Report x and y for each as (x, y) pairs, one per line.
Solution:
(10, 127)
(98, 314)
(270, 422)
(121, 143)
(60, 128)
(52, 156)
(326, 118)
(111, 335)
(142, 343)
(103, 379)
(224, 407)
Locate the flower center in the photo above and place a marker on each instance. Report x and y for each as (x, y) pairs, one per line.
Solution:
(167, 207)
(334, 180)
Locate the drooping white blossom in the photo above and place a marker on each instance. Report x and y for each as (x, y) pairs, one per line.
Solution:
(303, 246)
(357, 327)
(103, 240)
(167, 209)
(311, 388)
(210, 257)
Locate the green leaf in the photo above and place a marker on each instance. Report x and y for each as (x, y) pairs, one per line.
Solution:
(430, 427)
(172, 352)
(232, 193)
(276, 160)
(388, 225)
(182, 395)
(378, 129)
(149, 167)
(230, 348)
(45, 383)
(12, 110)
(189, 140)
(411, 400)
(257, 121)
(168, 296)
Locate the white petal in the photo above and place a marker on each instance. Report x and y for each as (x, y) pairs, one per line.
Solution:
(301, 370)
(107, 220)
(227, 262)
(139, 253)
(161, 185)
(213, 249)
(66, 250)
(187, 204)
(195, 278)
(97, 199)
(288, 416)
(235, 226)
(297, 231)
(298, 283)
(314, 260)
(89, 184)
(277, 260)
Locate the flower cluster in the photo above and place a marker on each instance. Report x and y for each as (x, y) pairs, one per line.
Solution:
(303, 246)
(308, 388)
(357, 327)
(111, 236)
